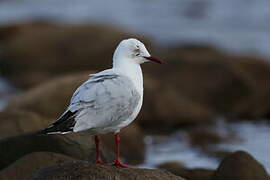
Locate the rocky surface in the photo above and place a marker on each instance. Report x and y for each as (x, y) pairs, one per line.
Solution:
(241, 166)
(85, 171)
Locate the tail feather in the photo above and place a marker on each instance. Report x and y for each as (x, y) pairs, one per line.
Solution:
(63, 125)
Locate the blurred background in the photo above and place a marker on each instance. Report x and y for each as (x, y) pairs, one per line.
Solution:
(209, 99)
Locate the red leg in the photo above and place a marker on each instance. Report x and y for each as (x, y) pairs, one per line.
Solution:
(117, 161)
(98, 158)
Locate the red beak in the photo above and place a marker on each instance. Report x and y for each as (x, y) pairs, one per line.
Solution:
(151, 58)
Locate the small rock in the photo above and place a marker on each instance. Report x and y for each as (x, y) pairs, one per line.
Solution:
(86, 171)
(241, 166)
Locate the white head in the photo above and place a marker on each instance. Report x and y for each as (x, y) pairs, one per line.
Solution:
(132, 51)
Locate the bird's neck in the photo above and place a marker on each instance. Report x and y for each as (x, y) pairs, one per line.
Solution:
(131, 70)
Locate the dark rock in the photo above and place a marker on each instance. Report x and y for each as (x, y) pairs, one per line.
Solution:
(83, 170)
(190, 174)
(24, 167)
(240, 165)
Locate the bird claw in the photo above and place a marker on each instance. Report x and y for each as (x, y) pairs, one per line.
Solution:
(120, 164)
(101, 163)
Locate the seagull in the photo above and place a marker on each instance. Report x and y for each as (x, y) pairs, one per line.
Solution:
(109, 100)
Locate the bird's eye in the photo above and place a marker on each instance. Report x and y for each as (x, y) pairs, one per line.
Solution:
(137, 51)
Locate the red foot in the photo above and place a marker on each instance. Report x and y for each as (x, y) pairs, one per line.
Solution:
(101, 163)
(119, 164)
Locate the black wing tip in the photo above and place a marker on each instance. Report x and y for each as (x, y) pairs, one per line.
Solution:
(63, 125)
(51, 131)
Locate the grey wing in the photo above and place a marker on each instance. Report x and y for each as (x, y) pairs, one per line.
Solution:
(103, 101)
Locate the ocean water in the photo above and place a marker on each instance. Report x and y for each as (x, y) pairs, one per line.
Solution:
(253, 137)
(239, 26)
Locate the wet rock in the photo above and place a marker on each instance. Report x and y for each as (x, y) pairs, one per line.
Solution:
(83, 170)
(240, 165)
(24, 167)
(53, 49)
(190, 174)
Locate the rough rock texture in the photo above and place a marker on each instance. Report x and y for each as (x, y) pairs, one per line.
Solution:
(190, 174)
(24, 167)
(86, 171)
(241, 166)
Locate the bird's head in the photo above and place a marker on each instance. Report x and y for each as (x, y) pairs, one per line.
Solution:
(134, 51)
